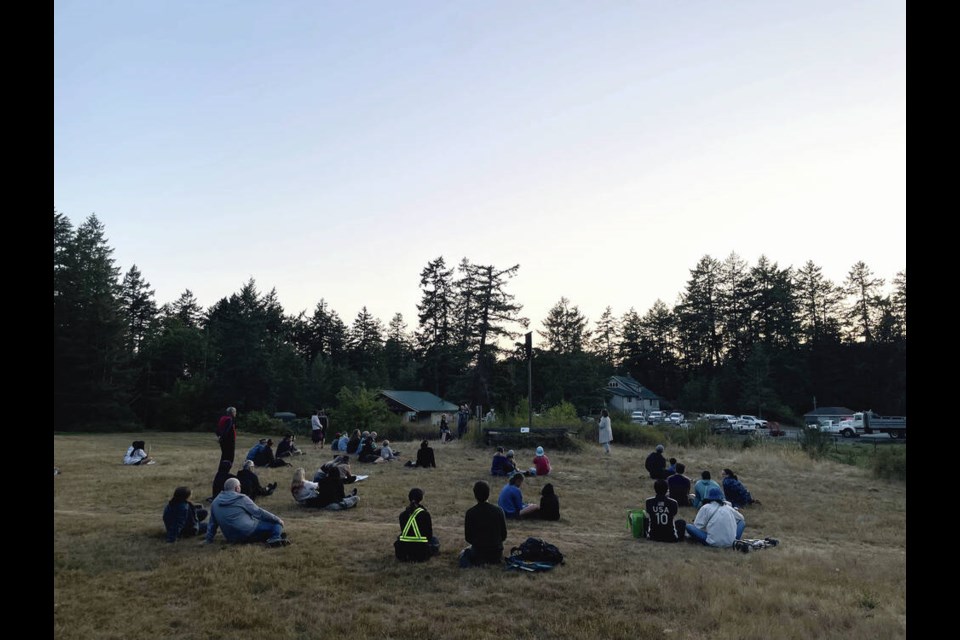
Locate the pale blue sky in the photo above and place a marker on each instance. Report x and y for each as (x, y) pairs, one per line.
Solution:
(330, 149)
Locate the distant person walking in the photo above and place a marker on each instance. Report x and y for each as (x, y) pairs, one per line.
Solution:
(606, 431)
(227, 434)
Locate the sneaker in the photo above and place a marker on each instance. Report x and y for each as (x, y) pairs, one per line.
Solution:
(772, 541)
(279, 542)
(354, 492)
(740, 545)
(152, 462)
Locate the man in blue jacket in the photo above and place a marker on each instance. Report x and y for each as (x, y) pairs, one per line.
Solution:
(242, 520)
(511, 499)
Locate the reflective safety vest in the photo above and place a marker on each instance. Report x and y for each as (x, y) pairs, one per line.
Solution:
(405, 535)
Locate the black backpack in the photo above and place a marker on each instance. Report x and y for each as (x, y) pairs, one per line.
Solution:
(536, 550)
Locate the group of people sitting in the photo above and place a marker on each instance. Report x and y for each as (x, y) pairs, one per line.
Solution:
(503, 464)
(484, 524)
(718, 522)
(364, 446)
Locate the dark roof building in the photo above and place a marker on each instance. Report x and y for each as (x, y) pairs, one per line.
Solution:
(628, 395)
(418, 406)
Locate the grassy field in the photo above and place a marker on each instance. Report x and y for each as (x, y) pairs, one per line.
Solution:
(839, 572)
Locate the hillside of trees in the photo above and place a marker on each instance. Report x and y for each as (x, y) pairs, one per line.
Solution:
(759, 339)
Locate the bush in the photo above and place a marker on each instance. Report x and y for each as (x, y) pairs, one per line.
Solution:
(259, 422)
(890, 463)
(696, 436)
(814, 442)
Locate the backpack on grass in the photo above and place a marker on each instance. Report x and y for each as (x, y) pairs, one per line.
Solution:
(537, 551)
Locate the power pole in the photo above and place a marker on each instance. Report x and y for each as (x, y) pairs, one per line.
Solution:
(528, 347)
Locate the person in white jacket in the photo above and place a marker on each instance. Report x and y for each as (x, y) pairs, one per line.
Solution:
(606, 431)
(717, 523)
(136, 455)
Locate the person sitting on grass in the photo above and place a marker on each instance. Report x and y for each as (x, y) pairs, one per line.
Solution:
(702, 488)
(717, 523)
(541, 464)
(734, 491)
(549, 503)
(242, 520)
(265, 457)
(509, 465)
(386, 453)
(250, 484)
(485, 529)
(511, 499)
(335, 443)
(223, 474)
(288, 447)
(497, 465)
(256, 449)
(416, 542)
(368, 451)
(425, 457)
(182, 518)
(662, 509)
(679, 486)
(353, 444)
(671, 467)
(656, 464)
(136, 455)
(325, 494)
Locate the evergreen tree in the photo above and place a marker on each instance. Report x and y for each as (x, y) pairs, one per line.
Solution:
(774, 308)
(818, 305)
(862, 289)
(365, 348)
(435, 333)
(566, 328)
(140, 307)
(699, 318)
(899, 302)
(606, 336)
(92, 378)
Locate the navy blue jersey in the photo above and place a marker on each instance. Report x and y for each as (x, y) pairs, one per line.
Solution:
(661, 512)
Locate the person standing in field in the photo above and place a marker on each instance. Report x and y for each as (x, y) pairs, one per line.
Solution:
(485, 529)
(463, 417)
(316, 429)
(227, 434)
(606, 431)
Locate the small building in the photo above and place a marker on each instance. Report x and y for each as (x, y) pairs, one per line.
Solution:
(626, 395)
(420, 407)
(827, 413)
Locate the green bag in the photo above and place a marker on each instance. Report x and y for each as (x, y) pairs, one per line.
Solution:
(637, 522)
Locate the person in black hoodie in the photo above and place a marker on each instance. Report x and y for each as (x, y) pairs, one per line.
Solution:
(222, 475)
(354, 442)
(265, 457)
(656, 464)
(330, 493)
(485, 528)
(250, 484)
(425, 457)
(549, 503)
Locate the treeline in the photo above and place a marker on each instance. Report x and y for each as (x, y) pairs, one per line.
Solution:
(758, 339)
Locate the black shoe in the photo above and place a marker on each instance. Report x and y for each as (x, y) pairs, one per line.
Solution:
(772, 541)
(354, 492)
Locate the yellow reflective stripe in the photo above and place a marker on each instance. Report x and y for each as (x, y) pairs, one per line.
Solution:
(412, 524)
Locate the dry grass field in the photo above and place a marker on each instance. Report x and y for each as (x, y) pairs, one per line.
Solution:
(839, 572)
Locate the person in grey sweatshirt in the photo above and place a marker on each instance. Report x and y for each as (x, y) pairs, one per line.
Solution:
(242, 520)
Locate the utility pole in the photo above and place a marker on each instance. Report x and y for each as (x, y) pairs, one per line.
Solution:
(528, 348)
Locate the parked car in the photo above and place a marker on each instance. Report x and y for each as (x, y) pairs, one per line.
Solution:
(655, 417)
(676, 417)
(744, 426)
(637, 417)
(755, 421)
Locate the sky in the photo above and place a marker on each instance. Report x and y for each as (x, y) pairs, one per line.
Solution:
(330, 149)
